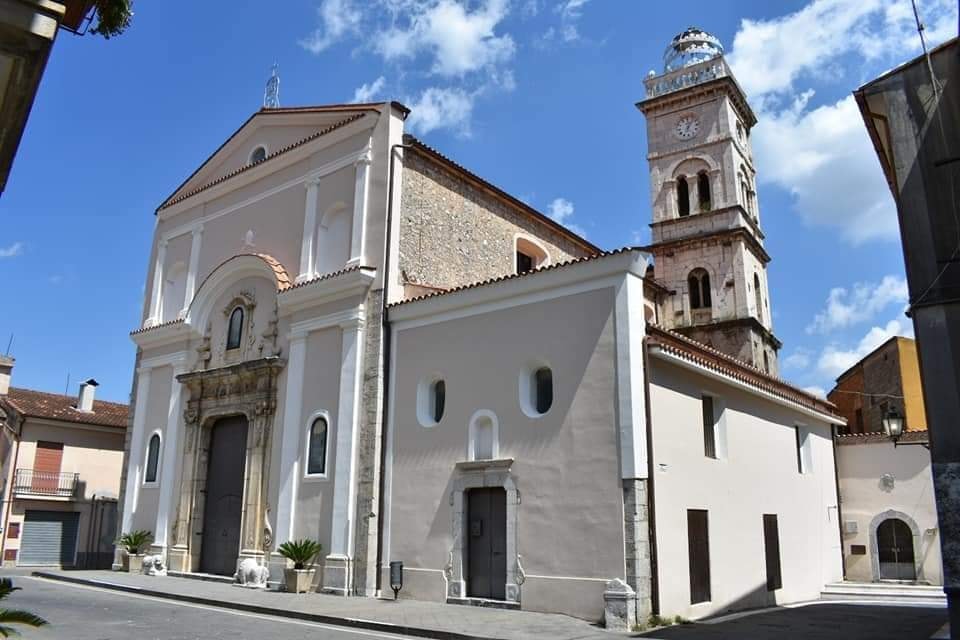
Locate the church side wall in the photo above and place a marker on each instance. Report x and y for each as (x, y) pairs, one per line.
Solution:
(452, 233)
(570, 513)
(158, 399)
(756, 474)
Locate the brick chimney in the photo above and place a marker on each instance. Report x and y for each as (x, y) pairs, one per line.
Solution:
(85, 398)
(6, 370)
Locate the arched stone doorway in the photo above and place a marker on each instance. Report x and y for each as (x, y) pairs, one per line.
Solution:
(895, 550)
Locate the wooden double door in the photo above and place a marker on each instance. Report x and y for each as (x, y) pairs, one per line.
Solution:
(223, 507)
(487, 543)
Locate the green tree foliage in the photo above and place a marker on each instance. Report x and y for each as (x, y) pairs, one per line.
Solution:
(113, 17)
(15, 616)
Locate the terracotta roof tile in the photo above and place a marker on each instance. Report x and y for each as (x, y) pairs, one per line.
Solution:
(514, 276)
(876, 436)
(157, 326)
(283, 278)
(170, 201)
(699, 353)
(325, 276)
(53, 406)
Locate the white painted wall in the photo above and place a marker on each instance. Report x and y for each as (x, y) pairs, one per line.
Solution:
(758, 476)
(861, 466)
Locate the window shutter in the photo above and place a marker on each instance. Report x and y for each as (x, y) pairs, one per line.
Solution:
(698, 549)
(709, 428)
(771, 550)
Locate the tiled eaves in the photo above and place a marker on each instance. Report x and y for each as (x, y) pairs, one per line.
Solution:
(299, 143)
(460, 170)
(699, 353)
(54, 406)
(875, 436)
(325, 276)
(157, 326)
(512, 276)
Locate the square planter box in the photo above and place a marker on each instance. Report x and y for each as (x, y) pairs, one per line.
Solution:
(298, 580)
(134, 563)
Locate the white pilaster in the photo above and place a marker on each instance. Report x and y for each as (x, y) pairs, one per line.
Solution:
(629, 327)
(290, 441)
(135, 456)
(190, 288)
(156, 295)
(360, 199)
(337, 572)
(171, 449)
(307, 266)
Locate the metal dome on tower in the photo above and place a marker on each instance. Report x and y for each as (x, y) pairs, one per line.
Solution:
(691, 46)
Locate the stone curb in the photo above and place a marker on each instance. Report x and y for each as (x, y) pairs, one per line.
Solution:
(356, 623)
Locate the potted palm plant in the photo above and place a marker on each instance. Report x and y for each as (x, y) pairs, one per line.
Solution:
(132, 543)
(302, 553)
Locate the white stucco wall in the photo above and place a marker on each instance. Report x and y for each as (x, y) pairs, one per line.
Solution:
(864, 497)
(758, 476)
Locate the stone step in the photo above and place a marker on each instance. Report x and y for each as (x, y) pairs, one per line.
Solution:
(208, 577)
(885, 591)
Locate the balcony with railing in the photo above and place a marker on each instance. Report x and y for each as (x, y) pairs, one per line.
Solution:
(31, 483)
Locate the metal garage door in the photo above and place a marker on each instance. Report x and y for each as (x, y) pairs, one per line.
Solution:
(49, 537)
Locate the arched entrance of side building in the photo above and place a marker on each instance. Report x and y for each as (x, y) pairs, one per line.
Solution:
(894, 546)
(223, 510)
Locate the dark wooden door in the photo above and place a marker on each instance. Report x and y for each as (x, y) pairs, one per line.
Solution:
(895, 550)
(698, 549)
(771, 551)
(224, 496)
(487, 543)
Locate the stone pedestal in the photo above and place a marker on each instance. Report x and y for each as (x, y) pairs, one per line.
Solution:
(337, 575)
(619, 606)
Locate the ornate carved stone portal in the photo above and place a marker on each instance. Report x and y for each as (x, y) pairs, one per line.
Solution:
(248, 389)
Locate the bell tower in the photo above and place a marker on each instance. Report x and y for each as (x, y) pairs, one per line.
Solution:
(707, 242)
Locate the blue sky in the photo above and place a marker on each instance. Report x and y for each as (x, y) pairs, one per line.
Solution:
(535, 95)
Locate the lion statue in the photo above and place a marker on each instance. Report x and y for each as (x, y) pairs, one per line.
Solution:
(153, 566)
(252, 574)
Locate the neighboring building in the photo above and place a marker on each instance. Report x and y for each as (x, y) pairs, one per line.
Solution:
(325, 286)
(886, 492)
(60, 462)
(912, 114)
(27, 31)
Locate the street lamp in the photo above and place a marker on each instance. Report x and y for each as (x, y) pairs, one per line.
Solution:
(893, 426)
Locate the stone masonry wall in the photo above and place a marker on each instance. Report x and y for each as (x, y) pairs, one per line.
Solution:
(453, 233)
(368, 451)
(636, 530)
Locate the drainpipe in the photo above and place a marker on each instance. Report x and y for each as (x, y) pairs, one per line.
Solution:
(385, 358)
(836, 482)
(651, 504)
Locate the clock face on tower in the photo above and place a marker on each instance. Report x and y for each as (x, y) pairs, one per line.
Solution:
(687, 127)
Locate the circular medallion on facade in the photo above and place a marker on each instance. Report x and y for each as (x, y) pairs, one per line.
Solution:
(687, 127)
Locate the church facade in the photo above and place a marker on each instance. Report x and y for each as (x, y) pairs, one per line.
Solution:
(350, 337)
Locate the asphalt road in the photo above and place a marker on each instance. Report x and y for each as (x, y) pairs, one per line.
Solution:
(83, 613)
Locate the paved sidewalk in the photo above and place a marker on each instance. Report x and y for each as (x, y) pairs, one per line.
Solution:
(406, 617)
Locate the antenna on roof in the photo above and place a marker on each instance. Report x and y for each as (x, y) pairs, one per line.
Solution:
(9, 344)
(271, 95)
(66, 389)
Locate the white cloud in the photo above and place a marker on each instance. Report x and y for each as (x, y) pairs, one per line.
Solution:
(12, 251)
(799, 359)
(821, 154)
(369, 91)
(561, 210)
(815, 390)
(338, 18)
(438, 108)
(834, 360)
(846, 307)
(567, 29)
(459, 41)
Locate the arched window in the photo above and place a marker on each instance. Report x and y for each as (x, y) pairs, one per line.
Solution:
(683, 197)
(153, 458)
(258, 155)
(484, 436)
(317, 448)
(758, 298)
(438, 394)
(235, 329)
(529, 255)
(543, 385)
(699, 284)
(703, 190)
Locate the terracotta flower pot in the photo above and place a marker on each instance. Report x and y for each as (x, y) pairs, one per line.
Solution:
(298, 580)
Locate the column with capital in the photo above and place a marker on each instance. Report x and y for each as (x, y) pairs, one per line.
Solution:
(134, 456)
(361, 195)
(156, 294)
(190, 289)
(307, 245)
(168, 460)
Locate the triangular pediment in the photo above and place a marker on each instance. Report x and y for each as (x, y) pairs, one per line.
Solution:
(276, 130)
